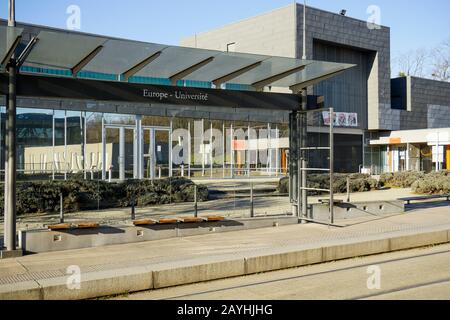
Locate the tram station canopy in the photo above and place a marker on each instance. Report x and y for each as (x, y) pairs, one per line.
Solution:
(77, 52)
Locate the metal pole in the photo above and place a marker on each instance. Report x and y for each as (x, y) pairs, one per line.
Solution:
(53, 146)
(133, 208)
(203, 146)
(298, 162)
(171, 149)
(292, 162)
(331, 165)
(348, 189)
(61, 208)
(224, 142)
(189, 150)
(10, 166)
(211, 151)
(85, 145)
(232, 153)
(122, 153)
(65, 146)
(104, 149)
(195, 201)
(304, 165)
(277, 151)
(249, 155)
(252, 208)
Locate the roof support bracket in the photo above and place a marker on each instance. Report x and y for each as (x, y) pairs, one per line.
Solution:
(265, 82)
(23, 56)
(141, 65)
(80, 65)
(182, 74)
(11, 51)
(300, 86)
(219, 81)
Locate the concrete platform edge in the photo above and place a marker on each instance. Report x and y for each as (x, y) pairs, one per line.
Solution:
(126, 280)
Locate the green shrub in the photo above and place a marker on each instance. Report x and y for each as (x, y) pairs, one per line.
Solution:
(403, 179)
(358, 183)
(79, 195)
(433, 183)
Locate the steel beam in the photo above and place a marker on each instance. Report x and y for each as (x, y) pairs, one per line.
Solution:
(141, 65)
(80, 65)
(182, 74)
(265, 82)
(233, 75)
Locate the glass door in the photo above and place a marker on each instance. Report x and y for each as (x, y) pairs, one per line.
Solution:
(157, 156)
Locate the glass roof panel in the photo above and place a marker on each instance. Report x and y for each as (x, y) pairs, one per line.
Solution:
(268, 68)
(63, 49)
(8, 36)
(316, 70)
(225, 64)
(119, 56)
(174, 60)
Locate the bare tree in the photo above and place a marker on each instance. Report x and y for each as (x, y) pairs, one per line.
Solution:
(441, 62)
(412, 63)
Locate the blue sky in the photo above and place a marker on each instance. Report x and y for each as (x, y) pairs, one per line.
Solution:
(413, 23)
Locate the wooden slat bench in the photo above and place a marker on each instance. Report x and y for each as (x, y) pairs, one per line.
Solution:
(423, 198)
(191, 220)
(87, 225)
(214, 218)
(61, 226)
(144, 222)
(168, 221)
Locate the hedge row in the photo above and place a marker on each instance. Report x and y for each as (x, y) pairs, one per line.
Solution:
(419, 182)
(358, 183)
(79, 195)
(433, 183)
(403, 179)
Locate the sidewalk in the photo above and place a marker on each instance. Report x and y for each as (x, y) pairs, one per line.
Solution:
(157, 264)
(232, 208)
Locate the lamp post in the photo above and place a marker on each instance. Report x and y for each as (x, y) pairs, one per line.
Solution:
(10, 157)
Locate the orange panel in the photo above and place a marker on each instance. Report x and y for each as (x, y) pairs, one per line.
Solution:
(447, 155)
(395, 140)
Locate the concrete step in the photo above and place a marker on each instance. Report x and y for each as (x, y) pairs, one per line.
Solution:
(100, 281)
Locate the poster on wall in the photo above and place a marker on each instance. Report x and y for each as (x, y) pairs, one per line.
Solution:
(341, 119)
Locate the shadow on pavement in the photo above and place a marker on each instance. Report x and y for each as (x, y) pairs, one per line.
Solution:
(426, 205)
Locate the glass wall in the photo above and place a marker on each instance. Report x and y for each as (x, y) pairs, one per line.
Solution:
(34, 141)
(59, 144)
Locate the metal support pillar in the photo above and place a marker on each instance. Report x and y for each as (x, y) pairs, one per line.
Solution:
(189, 150)
(103, 149)
(10, 166)
(304, 160)
(224, 142)
(170, 149)
(203, 146)
(248, 152)
(122, 153)
(85, 155)
(232, 153)
(331, 165)
(293, 164)
(211, 151)
(53, 146)
(65, 146)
